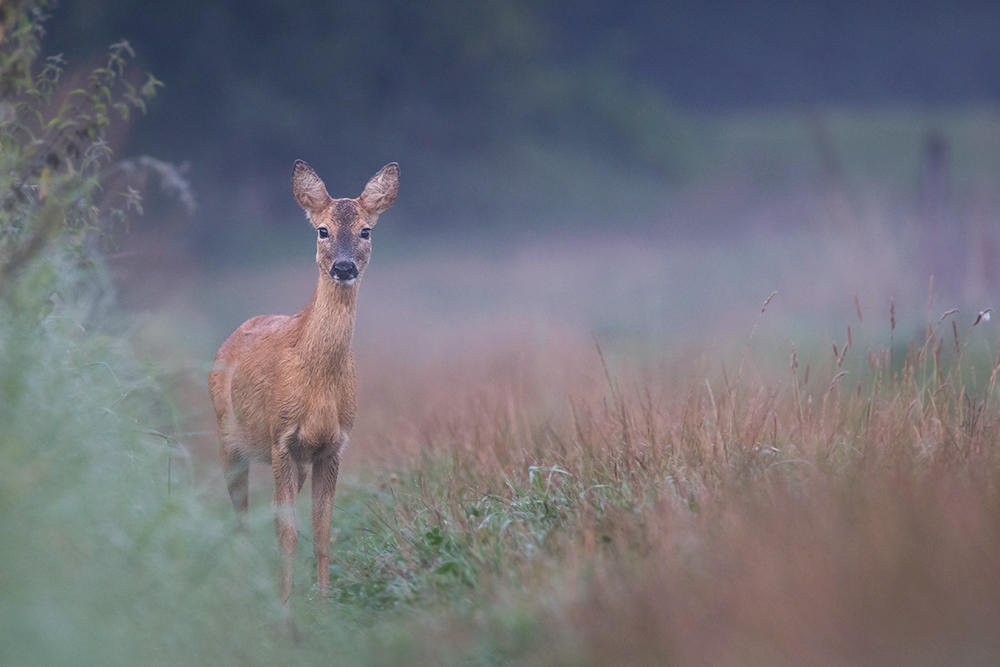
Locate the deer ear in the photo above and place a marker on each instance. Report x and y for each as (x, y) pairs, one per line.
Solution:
(309, 191)
(380, 193)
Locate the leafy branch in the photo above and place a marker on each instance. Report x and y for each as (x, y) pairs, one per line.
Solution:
(53, 144)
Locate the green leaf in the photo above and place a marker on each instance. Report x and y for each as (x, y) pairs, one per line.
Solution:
(434, 537)
(449, 568)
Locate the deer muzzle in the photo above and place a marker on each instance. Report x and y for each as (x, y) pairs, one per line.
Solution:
(344, 271)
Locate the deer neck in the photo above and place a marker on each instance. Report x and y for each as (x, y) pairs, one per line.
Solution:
(328, 325)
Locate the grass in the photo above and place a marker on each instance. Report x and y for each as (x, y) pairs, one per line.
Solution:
(556, 467)
(537, 522)
(697, 523)
(539, 509)
(532, 480)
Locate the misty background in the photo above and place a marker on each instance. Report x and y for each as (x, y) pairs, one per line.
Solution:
(663, 160)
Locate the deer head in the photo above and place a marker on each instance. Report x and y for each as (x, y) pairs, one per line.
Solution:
(343, 226)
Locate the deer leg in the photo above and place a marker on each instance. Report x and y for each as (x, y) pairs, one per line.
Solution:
(236, 469)
(301, 468)
(326, 464)
(286, 491)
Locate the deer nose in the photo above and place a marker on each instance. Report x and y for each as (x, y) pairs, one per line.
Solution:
(344, 270)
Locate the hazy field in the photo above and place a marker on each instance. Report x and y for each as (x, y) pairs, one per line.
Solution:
(597, 449)
(583, 445)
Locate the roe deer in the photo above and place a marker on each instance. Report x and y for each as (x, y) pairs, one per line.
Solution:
(283, 387)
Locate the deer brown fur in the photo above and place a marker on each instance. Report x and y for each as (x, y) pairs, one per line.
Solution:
(283, 387)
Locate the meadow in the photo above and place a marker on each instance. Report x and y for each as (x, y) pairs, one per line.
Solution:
(556, 465)
(751, 429)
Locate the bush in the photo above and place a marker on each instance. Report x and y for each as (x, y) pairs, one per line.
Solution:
(93, 541)
(54, 149)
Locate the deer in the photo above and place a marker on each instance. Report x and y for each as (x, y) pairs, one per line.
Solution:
(284, 387)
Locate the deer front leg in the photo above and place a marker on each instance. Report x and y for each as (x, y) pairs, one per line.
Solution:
(286, 491)
(326, 464)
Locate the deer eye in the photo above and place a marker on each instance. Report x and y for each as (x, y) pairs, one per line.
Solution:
(323, 233)
(366, 233)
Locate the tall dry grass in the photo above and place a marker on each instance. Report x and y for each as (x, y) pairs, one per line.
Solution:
(555, 508)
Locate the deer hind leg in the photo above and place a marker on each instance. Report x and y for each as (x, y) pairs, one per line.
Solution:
(325, 466)
(286, 491)
(236, 469)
